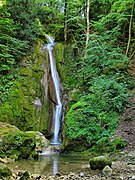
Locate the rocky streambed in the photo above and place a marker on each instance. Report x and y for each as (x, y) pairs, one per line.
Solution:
(25, 175)
(122, 168)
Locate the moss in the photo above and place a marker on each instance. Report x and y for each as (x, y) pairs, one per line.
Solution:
(20, 109)
(99, 162)
(17, 144)
(26, 72)
(7, 128)
(41, 141)
(5, 172)
(74, 146)
(6, 112)
(26, 176)
(66, 65)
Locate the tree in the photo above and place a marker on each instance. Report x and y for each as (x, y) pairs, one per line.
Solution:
(11, 47)
(117, 23)
(24, 15)
(130, 26)
(88, 23)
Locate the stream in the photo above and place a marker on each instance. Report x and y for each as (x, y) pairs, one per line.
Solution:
(51, 165)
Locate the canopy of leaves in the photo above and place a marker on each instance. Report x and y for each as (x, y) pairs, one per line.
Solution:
(19, 27)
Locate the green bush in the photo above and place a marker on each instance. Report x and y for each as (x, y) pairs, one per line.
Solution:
(93, 117)
(118, 143)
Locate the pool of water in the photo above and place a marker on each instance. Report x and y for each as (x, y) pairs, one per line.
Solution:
(52, 164)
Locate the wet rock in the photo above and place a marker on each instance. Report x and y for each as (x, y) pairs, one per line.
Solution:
(133, 178)
(41, 141)
(107, 171)
(99, 162)
(36, 177)
(117, 178)
(82, 174)
(5, 172)
(25, 176)
(120, 178)
(58, 174)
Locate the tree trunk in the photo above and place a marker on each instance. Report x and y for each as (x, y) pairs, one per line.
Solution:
(88, 23)
(130, 26)
(65, 21)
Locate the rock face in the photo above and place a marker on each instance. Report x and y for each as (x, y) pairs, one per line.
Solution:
(99, 162)
(28, 106)
(17, 144)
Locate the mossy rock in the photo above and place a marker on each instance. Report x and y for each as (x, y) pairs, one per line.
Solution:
(26, 72)
(76, 146)
(19, 109)
(17, 144)
(41, 141)
(25, 176)
(5, 172)
(99, 162)
(6, 128)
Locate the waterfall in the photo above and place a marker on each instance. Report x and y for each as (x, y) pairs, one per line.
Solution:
(56, 82)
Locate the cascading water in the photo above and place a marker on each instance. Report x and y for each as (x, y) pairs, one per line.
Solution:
(56, 82)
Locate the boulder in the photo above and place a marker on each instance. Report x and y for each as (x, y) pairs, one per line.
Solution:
(107, 171)
(133, 178)
(25, 176)
(17, 144)
(99, 162)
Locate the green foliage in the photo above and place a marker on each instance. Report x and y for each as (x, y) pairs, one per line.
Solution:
(51, 16)
(116, 22)
(24, 15)
(18, 143)
(105, 145)
(102, 55)
(118, 143)
(87, 120)
(98, 83)
(103, 93)
(19, 28)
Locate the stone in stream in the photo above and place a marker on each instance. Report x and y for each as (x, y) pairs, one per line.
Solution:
(107, 171)
(25, 176)
(133, 178)
(99, 162)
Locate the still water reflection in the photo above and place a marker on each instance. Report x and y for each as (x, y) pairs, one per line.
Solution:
(51, 165)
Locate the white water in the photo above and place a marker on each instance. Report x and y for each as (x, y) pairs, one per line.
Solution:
(56, 82)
